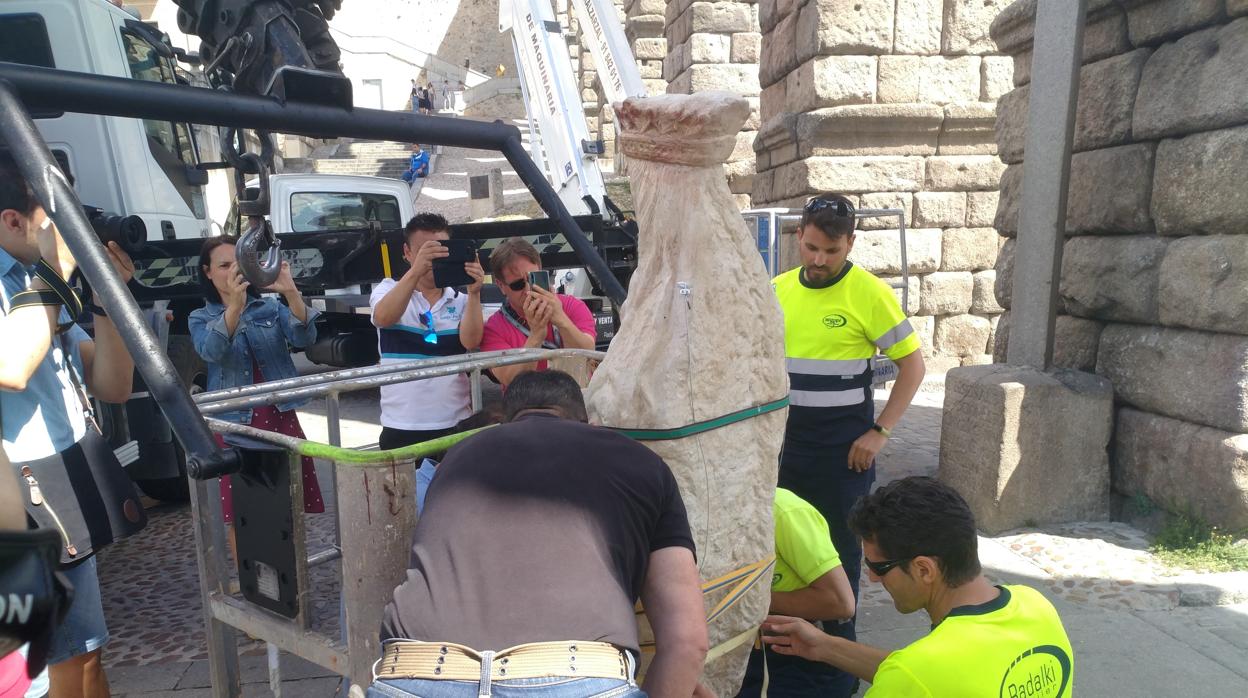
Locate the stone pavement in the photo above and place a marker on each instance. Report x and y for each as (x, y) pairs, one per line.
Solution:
(1137, 629)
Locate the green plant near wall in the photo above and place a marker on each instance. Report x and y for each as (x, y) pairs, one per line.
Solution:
(1188, 542)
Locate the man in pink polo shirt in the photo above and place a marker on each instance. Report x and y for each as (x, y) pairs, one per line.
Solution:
(531, 317)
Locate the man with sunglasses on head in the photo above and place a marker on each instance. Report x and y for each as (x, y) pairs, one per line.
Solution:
(417, 320)
(531, 317)
(836, 316)
(918, 536)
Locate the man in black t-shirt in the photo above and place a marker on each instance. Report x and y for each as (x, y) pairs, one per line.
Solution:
(548, 530)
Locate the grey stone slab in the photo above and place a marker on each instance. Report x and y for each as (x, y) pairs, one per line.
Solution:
(147, 678)
(305, 688)
(1194, 376)
(1112, 278)
(1118, 654)
(1198, 183)
(1025, 445)
(1202, 283)
(174, 693)
(1150, 22)
(1184, 466)
(1216, 632)
(1195, 83)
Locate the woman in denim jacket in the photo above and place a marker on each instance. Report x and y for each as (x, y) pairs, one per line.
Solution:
(243, 339)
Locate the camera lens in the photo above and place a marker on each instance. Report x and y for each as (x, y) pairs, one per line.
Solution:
(130, 232)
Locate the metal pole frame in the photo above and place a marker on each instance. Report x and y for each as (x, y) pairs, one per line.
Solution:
(68, 91)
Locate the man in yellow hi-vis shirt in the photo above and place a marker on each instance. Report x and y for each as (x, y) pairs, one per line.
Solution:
(986, 641)
(836, 316)
(807, 582)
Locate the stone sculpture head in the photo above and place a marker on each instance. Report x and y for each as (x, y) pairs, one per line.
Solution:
(825, 237)
(918, 540)
(546, 392)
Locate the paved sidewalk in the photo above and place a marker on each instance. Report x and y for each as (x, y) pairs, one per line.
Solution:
(1137, 630)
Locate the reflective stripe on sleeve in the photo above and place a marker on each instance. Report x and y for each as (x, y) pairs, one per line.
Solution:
(827, 398)
(899, 332)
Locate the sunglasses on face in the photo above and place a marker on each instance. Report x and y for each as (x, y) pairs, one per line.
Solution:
(883, 567)
(518, 284)
(843, 208)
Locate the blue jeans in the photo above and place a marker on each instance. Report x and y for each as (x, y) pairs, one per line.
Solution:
(83, 629)
(547, 687)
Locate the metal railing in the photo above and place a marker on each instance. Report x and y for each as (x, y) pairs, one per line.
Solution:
(374, 509)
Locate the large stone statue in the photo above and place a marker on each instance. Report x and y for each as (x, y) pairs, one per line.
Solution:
(701, 337)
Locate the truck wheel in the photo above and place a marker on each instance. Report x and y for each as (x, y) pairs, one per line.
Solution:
(194, 375)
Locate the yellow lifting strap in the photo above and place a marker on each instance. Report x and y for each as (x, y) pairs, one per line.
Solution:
(744, 579)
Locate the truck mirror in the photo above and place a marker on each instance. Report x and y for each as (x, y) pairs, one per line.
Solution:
(195, 176)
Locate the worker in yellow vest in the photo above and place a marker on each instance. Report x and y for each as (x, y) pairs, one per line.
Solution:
(836, 316)
(987, 641)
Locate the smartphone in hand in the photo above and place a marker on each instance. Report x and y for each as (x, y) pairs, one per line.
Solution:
(540, 278)
(449, 270)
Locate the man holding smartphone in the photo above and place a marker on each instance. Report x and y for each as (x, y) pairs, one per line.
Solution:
(532, 315)
(417, 319)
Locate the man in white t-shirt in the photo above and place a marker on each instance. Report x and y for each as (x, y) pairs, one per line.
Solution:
(417, 320)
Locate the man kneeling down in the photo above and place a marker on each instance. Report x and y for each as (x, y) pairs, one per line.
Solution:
(918, 540)
(537, 538)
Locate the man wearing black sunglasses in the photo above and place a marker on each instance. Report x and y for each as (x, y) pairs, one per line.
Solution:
(836, 317)
(918, 535)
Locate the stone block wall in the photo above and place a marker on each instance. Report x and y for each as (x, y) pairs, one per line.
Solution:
(716, 46)
(1154, 282)
(893, 103)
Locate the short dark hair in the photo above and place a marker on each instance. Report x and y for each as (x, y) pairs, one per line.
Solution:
(15, 191)
(921, 516)
(835, 220)
(508, 251)
(428, 221)
(545, 390)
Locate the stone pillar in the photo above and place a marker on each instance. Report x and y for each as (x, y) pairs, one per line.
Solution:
(892, 103)
(1155, 264)
(715, 46)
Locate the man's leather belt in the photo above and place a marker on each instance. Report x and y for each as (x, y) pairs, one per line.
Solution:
(411, 659)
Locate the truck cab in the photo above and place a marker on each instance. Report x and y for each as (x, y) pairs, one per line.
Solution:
(124, 166)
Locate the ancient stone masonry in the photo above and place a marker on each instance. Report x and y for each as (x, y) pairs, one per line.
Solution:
(892, 102)
(1154, 286)
(716, 46)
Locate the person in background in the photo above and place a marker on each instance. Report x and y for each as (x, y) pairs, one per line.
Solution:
(245, 339)
(418, 167)
(531, 317)
(808, 581)
(488, 416)
(415, 319)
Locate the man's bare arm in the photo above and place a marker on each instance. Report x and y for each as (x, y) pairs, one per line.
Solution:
(909, 376)
(796, 637)
(672, 595)
(827, 598)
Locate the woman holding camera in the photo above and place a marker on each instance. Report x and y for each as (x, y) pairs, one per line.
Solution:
(245, 339)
